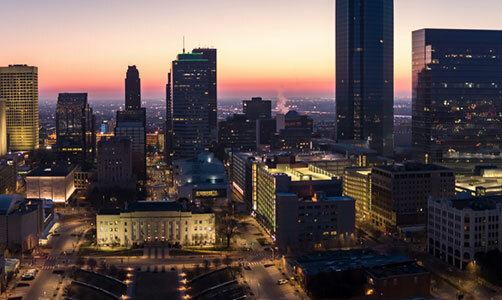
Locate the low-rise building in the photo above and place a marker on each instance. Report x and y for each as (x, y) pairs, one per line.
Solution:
(154, 221)
(320, 222)
(357, 184)
(53, 182)
(200, 177)
(361, 273)
(301, 179)
(21, 222)
(459, 227)
(399, 193)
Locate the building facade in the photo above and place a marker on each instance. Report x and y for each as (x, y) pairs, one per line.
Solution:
(399, 193)
(365, 72)
(132, 88)
(154, 221)
(131, 124)
(357, 185)
(460, 227)
(237, 133)
(75, 136)
(115, 162)
(456, 96)
(191, 110)
(3, 127)
(8, 179)
(321, 222)
(53, 182)
(257, 109)
(19, 87)
(212, 93)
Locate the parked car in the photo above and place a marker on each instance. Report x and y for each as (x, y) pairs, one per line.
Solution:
(282, 281)
(29, 275)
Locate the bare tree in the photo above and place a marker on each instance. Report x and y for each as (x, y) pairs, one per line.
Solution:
(216, 262)
(80, 262)
(228, 228)
(207, 264)
(91, 262)
(227, 261)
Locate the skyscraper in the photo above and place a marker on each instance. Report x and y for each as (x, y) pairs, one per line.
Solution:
(3, 127)
(457, 92)
(211, 55)
(365, 72)
(19, 86)
(75, 136)
(131, 123)
(190, 87)
(168, 147)
(132, 88)
(257, 109)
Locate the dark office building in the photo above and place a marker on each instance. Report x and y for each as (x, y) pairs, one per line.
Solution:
(237, 133)
(257, 109)
(132, 88)
(191, 82)
(297, 133)
(131, 123)
(75, 136)
(266, 130)
(365, 72)
(457, 92)
(211, 55)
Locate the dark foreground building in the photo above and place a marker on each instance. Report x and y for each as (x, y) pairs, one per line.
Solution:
(457, 92)
(365, 72)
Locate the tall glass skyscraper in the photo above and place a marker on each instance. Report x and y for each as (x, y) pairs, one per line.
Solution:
(190, 84)
(19, 87)
(365, 72)
(457, 92)
(75, 136)
(132, 88)
(211, 54)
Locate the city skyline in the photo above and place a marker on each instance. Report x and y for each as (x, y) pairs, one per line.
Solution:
(282, 64)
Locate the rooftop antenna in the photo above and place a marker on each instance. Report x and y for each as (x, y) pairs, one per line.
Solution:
(183, 44)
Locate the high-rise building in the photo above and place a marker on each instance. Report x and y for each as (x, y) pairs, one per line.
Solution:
(296, 134)
(3, 127)
(357, 185)
(190, 88)
(237, 133)
(168, 147)
(19, 86)
(75, 127)
(211, 55)
(257, 109)
(132, 88)
(457, 92)
(131, 124)
(365, 72)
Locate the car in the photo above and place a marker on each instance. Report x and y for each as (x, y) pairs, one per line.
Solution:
(247, 268)
(29, 275)
(282, 281)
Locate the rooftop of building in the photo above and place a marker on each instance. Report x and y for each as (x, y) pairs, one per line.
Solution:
(16, 204)
(300, 173)
(464, 201)
(412, 167)
(393, 270)
(57, 170)
(337, 261)
(152, 206)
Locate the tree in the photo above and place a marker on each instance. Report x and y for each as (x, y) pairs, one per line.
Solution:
(207, 264)
(80, 262)
(216, 262)
(228, 228)
(113, 271)
(227, 261)
(91, 262)
(103, 266)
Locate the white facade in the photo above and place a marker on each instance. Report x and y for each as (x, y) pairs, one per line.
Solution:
(56, 186)
(458, 228)
(141, 226)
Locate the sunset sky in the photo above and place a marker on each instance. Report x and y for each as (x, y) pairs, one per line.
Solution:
(263, 45)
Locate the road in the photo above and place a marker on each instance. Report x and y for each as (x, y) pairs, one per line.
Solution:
(46, 282)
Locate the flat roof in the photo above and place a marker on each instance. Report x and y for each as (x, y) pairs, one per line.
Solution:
(298, 174)
(475, 203)
(52, 170)
(412, 167)
(396, 270)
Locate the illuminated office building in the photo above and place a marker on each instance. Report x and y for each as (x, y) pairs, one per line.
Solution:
(132, 88)
(357, 185)
(211, 56)
(19, 86)
(3, 127)
(457, 92)
(365, 72)
(191, 82)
